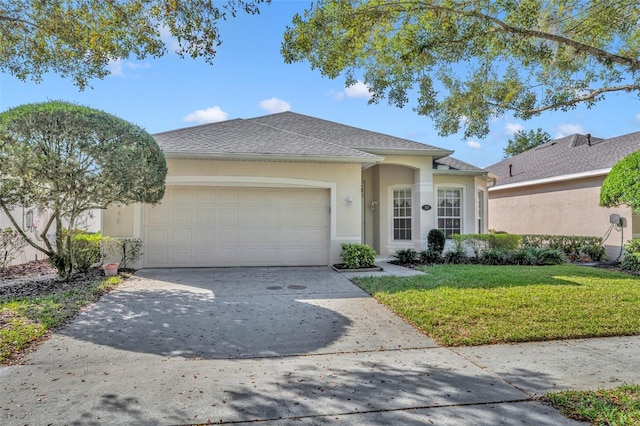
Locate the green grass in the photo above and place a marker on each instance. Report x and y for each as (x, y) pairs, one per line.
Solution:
(619, 406)
(479, 304)
(24, 321)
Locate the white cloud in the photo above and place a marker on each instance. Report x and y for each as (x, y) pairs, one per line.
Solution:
(358, 90)
(209, 115)
(274, 105)
(117, 67)
(474, 145)
(569, 129)
(511, 129)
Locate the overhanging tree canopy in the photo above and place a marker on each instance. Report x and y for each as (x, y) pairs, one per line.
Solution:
(79, 38)
(471, 61)
(67, 159)
(622, 184)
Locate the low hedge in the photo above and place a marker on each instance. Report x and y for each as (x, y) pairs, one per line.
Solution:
(573, 246)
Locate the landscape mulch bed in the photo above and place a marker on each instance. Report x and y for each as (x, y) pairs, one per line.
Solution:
(39, 278)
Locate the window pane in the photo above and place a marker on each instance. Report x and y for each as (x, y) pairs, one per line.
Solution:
(402, 214)
(449, 213)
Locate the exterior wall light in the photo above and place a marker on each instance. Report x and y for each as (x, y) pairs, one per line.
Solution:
(349, 201)
(374, 204)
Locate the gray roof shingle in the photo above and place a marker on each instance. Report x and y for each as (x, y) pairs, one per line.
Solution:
(247, 137)
(455, 164)
(565, 156)
(293, 135)
(347, 136)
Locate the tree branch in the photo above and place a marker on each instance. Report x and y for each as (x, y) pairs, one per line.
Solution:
(589, 96)
(22, 21)
(632, 63)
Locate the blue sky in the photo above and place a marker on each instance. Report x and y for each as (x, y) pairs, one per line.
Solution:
(249, 78)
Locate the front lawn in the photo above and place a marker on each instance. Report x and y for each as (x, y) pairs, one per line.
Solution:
(619, 406)
(25, 320)
(479, 304)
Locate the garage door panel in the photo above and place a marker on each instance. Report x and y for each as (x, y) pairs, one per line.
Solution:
(251, 217)
(203, 216)
(181, 216)
(180, 257)
(227, 196)
(204, 195)
(156, 257)
(180, 236)
(157, 216)
(184, 196)
(232, 226)
(226, 217)
(204, 236)
(157, 236)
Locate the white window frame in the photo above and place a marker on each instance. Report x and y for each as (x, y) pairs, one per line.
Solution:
(460, 188)
(393, 217)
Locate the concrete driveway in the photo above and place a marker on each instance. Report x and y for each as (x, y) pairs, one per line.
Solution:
(283, 345)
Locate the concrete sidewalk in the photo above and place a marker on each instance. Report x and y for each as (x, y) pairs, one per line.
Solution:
(282, 346)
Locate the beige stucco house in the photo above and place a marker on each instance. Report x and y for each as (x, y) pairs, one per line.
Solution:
(288, 189)
(555, 189)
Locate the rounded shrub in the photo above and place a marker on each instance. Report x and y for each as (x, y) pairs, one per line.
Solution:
(436, 240)
(356, 255)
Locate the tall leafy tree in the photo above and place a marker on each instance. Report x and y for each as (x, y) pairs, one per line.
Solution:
(78, 38)
(472, 60)
(523, 141)
(622, 184)
(68, 159)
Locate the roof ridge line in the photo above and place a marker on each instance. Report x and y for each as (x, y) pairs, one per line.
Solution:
(311, 137)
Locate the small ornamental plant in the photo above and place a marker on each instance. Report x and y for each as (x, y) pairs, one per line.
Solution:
(356, 256)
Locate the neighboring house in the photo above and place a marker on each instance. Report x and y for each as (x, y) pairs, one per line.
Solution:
(288, 189)
(555, 189)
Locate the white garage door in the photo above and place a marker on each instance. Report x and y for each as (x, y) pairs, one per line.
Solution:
(230, 226)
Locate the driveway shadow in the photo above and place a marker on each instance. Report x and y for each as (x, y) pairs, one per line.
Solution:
(194, 323)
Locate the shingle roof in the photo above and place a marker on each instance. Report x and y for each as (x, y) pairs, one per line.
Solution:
(342, 134)
(288, 134)
(247, 137)
(566, 156)
(455, 164)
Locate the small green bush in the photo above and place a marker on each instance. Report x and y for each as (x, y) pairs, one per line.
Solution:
(524, 256)
(436, 240)
(631, 259)
(85, 250)
(550, 256)
(356, 255)
(405, 256)
(430, 257)
(495, 256)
